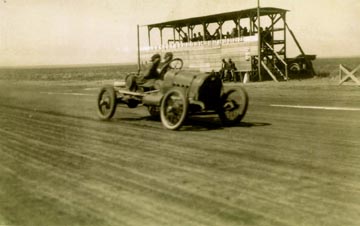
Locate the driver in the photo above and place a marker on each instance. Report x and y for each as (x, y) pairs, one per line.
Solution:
(155, 71)
(151, 72)
(164, 66)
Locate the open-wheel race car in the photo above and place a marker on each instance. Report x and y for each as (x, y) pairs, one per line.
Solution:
(176, 96)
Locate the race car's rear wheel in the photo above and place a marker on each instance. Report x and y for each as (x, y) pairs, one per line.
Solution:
(234, 104)
(173, 109)
(106, 103)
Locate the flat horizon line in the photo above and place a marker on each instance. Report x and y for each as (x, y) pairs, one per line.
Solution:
(118, 64)
(68, 65)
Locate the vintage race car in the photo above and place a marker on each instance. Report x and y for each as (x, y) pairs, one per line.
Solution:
(178, 95)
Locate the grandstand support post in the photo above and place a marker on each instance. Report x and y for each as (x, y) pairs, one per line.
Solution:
(238, 27)
(221, 33)
(149, 37)
(284, 19)
(174, 35)
(188, 33)
(259, 40)
(161, 36)
(204, 30)
(138, 47)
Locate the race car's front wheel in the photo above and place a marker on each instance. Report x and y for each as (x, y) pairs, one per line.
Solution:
(106, 103)
(173, 109)
(234, 104)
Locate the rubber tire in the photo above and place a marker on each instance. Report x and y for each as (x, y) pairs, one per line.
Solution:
(242, 106)
(294, 68)
(164, 108)
(111, 105)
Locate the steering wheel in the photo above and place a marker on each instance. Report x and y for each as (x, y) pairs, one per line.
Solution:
(176, 64)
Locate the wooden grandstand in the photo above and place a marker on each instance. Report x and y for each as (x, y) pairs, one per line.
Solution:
(205, 51)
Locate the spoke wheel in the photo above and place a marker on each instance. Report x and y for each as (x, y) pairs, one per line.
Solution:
(173, 109)
(106, 103)
(234, 105)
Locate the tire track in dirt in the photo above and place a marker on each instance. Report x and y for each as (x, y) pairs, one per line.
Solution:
(279, 171)
(67, 178)
(87, 132)
(209, 136)
(113, 137)
(115, 153)
(139, 186)
(110, 139)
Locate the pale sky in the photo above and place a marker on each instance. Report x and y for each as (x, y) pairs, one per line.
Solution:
(47, 32)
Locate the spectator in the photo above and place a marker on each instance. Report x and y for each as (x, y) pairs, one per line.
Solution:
(224, 70)
(232, 69)
(228, 35)
(261, 31)
(234, 33)
(195, 38)
(200, 37)
(244, 32)
(267, 37)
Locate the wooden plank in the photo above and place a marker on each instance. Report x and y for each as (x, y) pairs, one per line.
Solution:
(268, 70)
(349, 74)
(208, 55)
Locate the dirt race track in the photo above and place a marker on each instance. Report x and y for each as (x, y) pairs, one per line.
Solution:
(294, 160)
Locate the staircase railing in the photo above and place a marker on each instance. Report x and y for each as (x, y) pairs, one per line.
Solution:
(268, 71)
(280, 59)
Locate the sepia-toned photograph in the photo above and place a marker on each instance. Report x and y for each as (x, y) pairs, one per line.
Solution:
(179, 113)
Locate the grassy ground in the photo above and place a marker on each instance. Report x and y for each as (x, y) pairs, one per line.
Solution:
(87, 73)
(329, 67)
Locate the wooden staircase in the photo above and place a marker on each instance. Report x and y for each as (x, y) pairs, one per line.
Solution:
(268, 62)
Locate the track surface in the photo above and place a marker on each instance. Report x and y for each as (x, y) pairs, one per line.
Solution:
(60, 165)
